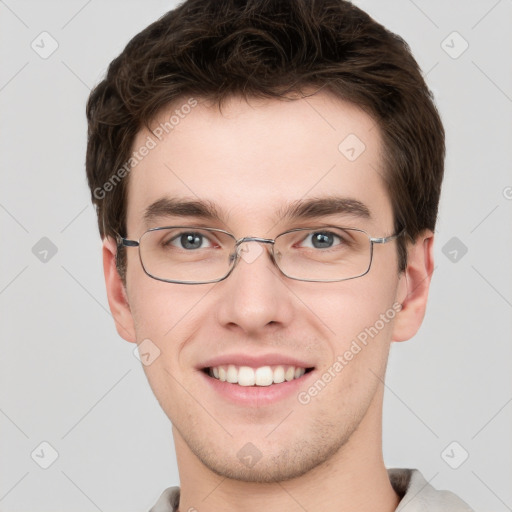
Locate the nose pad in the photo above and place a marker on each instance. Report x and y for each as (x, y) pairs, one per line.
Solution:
(250, 251)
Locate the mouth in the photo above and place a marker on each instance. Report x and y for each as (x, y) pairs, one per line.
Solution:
(261, 376)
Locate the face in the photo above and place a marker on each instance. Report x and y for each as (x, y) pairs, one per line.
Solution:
(251, 163)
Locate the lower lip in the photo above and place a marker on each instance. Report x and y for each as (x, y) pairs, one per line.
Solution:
(256, 396)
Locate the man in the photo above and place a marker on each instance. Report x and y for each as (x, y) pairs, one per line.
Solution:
(266, 176)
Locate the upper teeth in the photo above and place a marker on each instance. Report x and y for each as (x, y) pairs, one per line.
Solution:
(262, 376)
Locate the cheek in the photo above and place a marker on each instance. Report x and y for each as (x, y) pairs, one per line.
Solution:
(360, 320)
(166, 316)
(349, 308)
(169, 316)
(159, 308)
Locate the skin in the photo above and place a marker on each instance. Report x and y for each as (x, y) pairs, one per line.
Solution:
(251, 159)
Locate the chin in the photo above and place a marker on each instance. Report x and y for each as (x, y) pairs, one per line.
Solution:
(267, 462)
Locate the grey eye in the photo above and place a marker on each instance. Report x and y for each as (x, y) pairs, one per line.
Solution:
(190, 241)
(321, 240)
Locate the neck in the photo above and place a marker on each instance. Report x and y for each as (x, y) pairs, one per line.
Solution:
(353, 478)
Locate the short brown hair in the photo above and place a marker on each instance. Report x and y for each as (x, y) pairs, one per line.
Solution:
(214, 49)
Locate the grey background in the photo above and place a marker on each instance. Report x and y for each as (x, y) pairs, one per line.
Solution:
(68, 379)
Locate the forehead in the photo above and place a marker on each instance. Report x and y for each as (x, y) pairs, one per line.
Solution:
(256, 156)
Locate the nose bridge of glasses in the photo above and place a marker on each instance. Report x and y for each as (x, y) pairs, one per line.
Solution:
(254, 239)
(249, 252)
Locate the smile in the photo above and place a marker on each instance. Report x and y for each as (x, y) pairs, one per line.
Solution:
(261, 376)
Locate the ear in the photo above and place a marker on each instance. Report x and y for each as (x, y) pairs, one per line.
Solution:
(116, 293)
(414, 286)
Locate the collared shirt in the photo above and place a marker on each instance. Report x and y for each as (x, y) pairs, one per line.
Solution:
(416, 494)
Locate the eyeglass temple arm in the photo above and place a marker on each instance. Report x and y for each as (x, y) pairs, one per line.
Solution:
(129, 243)
(386, 239)
(124, 242)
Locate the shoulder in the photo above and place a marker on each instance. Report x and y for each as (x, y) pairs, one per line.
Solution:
(168, 501)
(419, 496)
(416, 494)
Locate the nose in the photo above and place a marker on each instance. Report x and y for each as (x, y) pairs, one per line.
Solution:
(254, 297)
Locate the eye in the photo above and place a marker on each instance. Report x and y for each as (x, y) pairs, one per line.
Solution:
(190, 241)
(321, 240)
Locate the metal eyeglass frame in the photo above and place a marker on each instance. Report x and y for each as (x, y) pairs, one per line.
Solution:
(124, 242)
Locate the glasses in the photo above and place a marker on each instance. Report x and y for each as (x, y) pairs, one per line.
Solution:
(197, 255)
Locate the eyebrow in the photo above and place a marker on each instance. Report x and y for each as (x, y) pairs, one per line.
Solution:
(300, 209)
(173, 207)
(324, 206)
